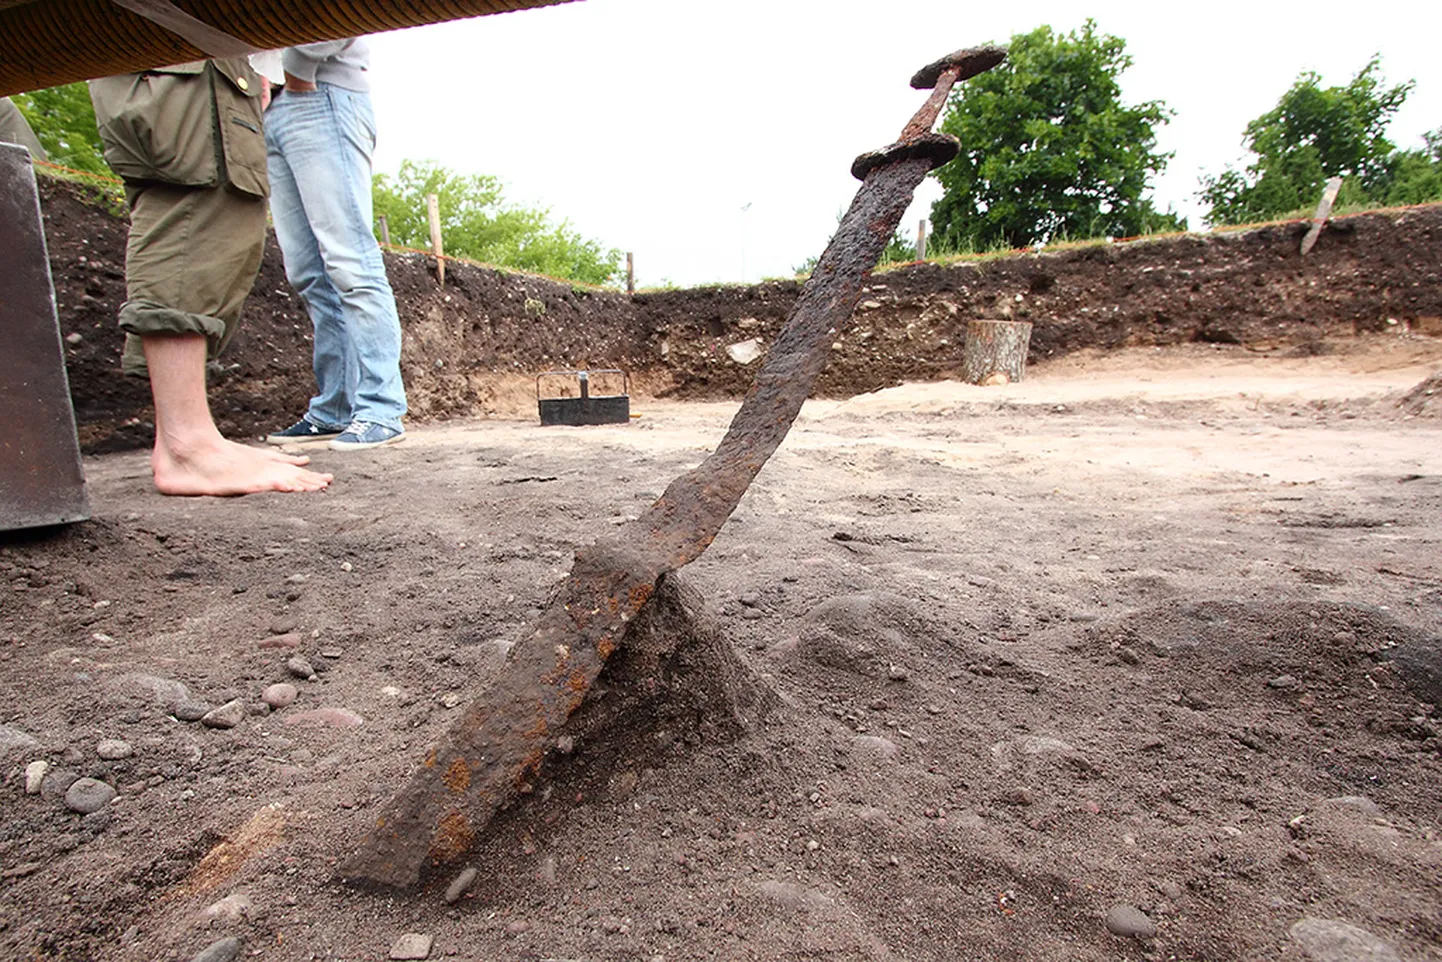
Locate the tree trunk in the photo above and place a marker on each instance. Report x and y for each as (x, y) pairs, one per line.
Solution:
(995, 351)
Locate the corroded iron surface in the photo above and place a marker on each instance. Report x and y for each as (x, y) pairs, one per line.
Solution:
(490, 754)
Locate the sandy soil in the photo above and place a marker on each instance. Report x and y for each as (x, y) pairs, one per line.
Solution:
(1147, 644)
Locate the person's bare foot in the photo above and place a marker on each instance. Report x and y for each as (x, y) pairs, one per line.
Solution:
(227, 468)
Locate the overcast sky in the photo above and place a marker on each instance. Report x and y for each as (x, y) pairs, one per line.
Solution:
(714, 139)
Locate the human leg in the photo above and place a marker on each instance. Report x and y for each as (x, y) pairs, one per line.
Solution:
(190, 456)
(332, 356)
(190, 260)
(326, 139)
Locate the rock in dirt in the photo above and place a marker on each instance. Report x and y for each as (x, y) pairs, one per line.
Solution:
(191, 711)
(35, 774)
(412, 945)
(288, 639)
(86, 795)
(97, 822)
(300, 668)
(1361, 803)
(334, 717)
(1129, 922)
(462, 882)
(1327, 940)
(113, 749)
(57, 783)
(234, 906)
(226, 716)
(221, 950)
(279, 695)
(14, 741)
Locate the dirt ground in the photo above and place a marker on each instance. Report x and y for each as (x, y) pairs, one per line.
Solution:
(1148, 643)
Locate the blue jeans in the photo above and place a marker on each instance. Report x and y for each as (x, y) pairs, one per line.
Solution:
(318, 151)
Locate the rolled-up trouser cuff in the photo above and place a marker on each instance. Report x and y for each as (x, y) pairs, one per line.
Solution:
(146, 318)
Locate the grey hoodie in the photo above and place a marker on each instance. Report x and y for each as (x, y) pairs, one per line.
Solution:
(340, 62)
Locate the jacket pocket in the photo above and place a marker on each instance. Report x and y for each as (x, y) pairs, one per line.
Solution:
(242, 142)
(159, 126)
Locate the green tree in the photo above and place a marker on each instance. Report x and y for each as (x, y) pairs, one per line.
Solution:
(1414, 176)
(477, 222)
(64, 121)
(1312, 134)
(1048, 151)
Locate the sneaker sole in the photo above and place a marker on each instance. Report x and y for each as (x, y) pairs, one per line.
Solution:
(308, 439)
(351, 446)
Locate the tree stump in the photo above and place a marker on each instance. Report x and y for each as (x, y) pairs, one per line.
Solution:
(995, 351)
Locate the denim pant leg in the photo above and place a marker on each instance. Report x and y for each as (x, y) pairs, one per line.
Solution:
(332, 359)
(319, 147)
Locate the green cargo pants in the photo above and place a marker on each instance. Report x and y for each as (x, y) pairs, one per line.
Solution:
(187, 142)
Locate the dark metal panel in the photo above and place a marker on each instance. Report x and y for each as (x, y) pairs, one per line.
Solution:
(41, 481)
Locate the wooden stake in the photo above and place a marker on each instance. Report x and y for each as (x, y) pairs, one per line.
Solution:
(1324, 211)
(630, 274)
(433, 210)
(385, 230)
(921, 240)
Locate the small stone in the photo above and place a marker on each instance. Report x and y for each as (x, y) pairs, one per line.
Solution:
(1129, 922)
(74, 338)
(86, 795)
(191, 711)
(1171, 890)
(234, 906)
(226, 716)
(57, 783)
(334, 717)
(35, 774)
(14, 740)
(897, 673)
(1282, 682)
(412, 945)
(113, 749)
(331, 652)
(517, 927)
(279, 695)
(97, 822)
(221, 950)
(1327, 940)
(462, 882)
(289, 639)
(300, 668)
(1361, 803)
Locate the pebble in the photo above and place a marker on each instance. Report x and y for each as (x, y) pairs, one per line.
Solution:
(279, 695)
(1327, 940)
(191, 711)
(1361, 803)
(86, 795)
(234, 906)
(1129, 922)
(412, 945)
(462, 882)
(73, 338)
(334, 717)
(57, 783)
(35, 774)
(113, 749)
(300, 668)
(226, 716)
(97, 822)
(289, 639)
(14, 740)
(518, 927)
(1282, 682)
(221, 950)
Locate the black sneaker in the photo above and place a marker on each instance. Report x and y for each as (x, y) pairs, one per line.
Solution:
(302, 430)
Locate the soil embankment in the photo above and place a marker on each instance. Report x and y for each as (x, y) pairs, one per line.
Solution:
(474, 347)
